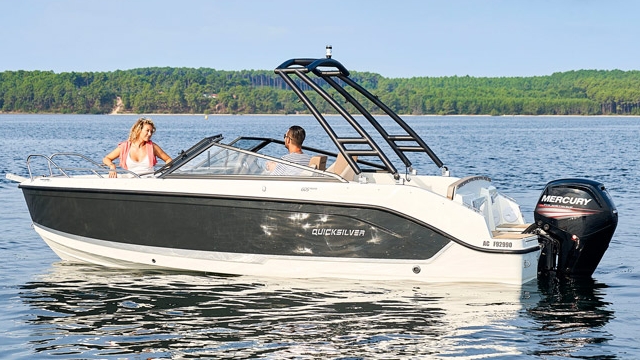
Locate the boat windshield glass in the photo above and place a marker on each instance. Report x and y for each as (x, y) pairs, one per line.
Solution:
(224, 160)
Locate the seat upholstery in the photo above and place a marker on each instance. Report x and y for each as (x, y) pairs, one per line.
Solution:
(318, 162)
(341, 167)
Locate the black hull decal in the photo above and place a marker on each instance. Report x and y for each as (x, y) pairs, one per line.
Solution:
(250, 226)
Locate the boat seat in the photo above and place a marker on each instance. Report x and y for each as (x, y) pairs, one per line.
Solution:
(318, 162)
(451, 191)
(341, 167)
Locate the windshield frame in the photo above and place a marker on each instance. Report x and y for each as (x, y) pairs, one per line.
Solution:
(172, 170)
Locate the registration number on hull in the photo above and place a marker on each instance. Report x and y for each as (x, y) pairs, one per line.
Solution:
(498, 244)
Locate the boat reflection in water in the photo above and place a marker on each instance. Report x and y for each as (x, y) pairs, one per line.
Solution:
(570, 316)
(85, 311)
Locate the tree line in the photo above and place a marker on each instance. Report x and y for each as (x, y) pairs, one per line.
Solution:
(210, 91)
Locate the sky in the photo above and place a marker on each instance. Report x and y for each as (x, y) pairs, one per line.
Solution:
(396, 39)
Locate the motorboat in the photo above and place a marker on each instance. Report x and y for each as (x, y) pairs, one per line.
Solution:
(350, 213)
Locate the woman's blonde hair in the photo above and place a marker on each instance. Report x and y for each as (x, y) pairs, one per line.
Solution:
(137, 128)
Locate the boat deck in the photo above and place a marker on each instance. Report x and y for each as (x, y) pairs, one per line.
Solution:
(511, 231)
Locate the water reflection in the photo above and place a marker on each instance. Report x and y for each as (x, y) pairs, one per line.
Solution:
(570, 318)
(83, 311)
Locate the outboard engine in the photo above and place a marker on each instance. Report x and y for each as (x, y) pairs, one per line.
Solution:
(575, 220)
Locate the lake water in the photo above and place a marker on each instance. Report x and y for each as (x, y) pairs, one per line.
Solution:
(49, 309)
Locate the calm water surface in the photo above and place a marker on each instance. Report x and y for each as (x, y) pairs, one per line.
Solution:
(49, 309)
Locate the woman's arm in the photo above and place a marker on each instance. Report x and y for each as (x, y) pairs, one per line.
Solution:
(157, 151)
(108, 160)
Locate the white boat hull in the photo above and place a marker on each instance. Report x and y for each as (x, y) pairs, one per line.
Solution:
(454, 263)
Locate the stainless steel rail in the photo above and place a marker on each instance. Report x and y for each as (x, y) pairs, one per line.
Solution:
(95, 168)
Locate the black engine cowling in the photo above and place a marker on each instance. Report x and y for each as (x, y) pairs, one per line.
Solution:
(576, 219)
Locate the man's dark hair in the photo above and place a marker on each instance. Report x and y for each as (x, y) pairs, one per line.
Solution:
(297, 134)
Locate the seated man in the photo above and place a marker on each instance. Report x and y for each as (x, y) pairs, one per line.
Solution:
(293, 140)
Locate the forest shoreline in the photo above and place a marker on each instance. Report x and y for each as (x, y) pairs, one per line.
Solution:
(209, 91)
(306, 115)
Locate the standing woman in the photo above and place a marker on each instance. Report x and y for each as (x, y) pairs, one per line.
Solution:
(138, 154)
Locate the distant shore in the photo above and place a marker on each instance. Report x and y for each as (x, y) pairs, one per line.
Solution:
(294, 115)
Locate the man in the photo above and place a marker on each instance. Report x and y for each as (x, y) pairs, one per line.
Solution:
(293, 140)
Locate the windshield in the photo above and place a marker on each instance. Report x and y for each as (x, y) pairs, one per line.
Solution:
(221, 159)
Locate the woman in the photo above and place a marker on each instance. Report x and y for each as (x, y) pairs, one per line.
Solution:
(138, 154)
